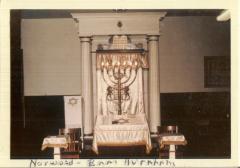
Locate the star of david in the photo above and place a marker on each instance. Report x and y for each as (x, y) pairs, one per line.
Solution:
(72, 101)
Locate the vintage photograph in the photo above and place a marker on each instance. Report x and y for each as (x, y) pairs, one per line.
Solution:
(120, 83)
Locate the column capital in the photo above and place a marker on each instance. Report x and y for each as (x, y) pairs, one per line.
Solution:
(152, 37)
(85, 39)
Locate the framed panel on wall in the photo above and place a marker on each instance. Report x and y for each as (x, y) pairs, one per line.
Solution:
(216, 71)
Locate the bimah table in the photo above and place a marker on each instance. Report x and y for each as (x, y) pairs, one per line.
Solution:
(56, 142)
(134, 131)
(172, 140)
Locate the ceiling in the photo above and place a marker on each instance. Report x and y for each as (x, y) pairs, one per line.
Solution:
(38, 14)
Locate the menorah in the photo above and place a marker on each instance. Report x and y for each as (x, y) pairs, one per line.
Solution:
(119, 70)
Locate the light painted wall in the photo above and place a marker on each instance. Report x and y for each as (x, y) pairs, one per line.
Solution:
(183, 45)
(52, 64)
(51, 57)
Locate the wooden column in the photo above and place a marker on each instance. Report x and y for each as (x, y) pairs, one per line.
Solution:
(87, 89)
(154, 85)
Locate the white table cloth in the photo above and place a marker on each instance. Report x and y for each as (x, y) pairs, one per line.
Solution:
(56, 142)
(134, 132)
(172, 140)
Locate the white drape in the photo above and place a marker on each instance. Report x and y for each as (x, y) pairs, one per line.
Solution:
(134, 105)
(134, 132)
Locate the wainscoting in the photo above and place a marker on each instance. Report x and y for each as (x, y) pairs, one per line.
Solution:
(44, 115)
(204, 119)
